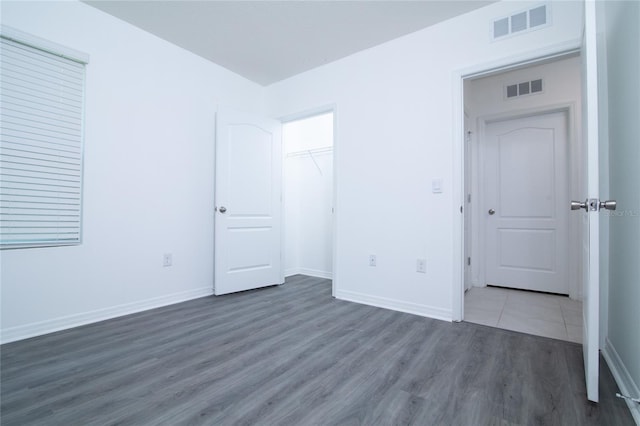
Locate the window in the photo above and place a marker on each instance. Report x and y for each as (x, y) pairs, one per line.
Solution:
(41, 142)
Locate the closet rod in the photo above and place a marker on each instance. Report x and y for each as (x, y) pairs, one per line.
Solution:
(310, 151)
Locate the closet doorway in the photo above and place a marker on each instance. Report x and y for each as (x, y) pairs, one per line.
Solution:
(308, 195)
(524, 152)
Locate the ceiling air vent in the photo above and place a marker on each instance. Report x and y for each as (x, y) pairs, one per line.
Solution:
(538, 16)
(525, 88)
(501, 27)
(521, 22)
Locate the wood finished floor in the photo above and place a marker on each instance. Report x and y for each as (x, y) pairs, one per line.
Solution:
(293, 355)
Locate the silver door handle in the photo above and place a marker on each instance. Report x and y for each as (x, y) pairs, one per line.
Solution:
(222, 209)
(608, 205)
(492, 212)
(577, 205)
(594, 205)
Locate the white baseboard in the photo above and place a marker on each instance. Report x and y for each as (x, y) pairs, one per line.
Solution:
(623, 379)
(291, 271)
(310, 272)
(21, 332)
(395, 305)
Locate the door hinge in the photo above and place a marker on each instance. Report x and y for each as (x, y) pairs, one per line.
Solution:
(468, 198)
(468, 261)
(628, 398)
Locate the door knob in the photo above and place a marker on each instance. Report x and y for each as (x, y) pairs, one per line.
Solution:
(608, 205)
(594, 205)
(492, 212)
(577, 205)
(222, 209)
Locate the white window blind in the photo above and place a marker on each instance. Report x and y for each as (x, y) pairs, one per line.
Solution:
(41, 145)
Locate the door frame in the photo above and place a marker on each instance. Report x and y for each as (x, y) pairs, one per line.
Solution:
(308, 113)
(468, 212)
(534, 57)
(568, 110)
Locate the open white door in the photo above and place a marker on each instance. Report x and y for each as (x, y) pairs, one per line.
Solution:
(591, 235)
(248, 228)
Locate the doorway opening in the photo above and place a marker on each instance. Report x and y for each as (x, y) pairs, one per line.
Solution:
(308, 191)
(521, 167)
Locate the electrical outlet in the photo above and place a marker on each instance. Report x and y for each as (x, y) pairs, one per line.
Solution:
(167, 259)
(421, 266)
(372, 260)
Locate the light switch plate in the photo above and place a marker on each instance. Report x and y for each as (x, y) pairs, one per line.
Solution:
(436, 186)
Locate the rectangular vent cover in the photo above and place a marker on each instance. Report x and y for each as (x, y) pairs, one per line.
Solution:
(524, 88)
(521, 21)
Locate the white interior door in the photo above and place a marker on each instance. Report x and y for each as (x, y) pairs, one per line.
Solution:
(525, 203)
(248, 228)
(591, 235)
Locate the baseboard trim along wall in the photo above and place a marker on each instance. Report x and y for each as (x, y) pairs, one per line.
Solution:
(395, 305)
(311, 272)
(623, 378)
(13, 334)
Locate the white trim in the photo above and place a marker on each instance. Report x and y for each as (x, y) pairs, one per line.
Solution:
(21, 332)
(623, 378)
(291, 271)
(43, 44)
(508, 63)
(534, 57)
(309, 272)
(334, 231)
(395, 305)
(312, 112)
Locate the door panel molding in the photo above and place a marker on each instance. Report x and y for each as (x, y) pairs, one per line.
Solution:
(248, 212)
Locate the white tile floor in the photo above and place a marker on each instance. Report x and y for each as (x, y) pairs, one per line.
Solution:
(545, 315)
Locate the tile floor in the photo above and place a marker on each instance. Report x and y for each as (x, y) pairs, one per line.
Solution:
(545, 315)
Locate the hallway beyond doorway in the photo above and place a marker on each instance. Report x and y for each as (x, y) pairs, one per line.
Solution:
(540, 314)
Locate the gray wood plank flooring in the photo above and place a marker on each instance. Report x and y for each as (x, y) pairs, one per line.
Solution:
(293, 355)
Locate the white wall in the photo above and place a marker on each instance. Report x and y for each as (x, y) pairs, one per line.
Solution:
(484, 100)
(308, 196)
(148, 179)
(395, 134)
(622, 38)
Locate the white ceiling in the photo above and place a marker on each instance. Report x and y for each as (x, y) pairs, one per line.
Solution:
(268, 41)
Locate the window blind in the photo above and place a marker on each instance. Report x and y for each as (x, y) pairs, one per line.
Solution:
(41, 146)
